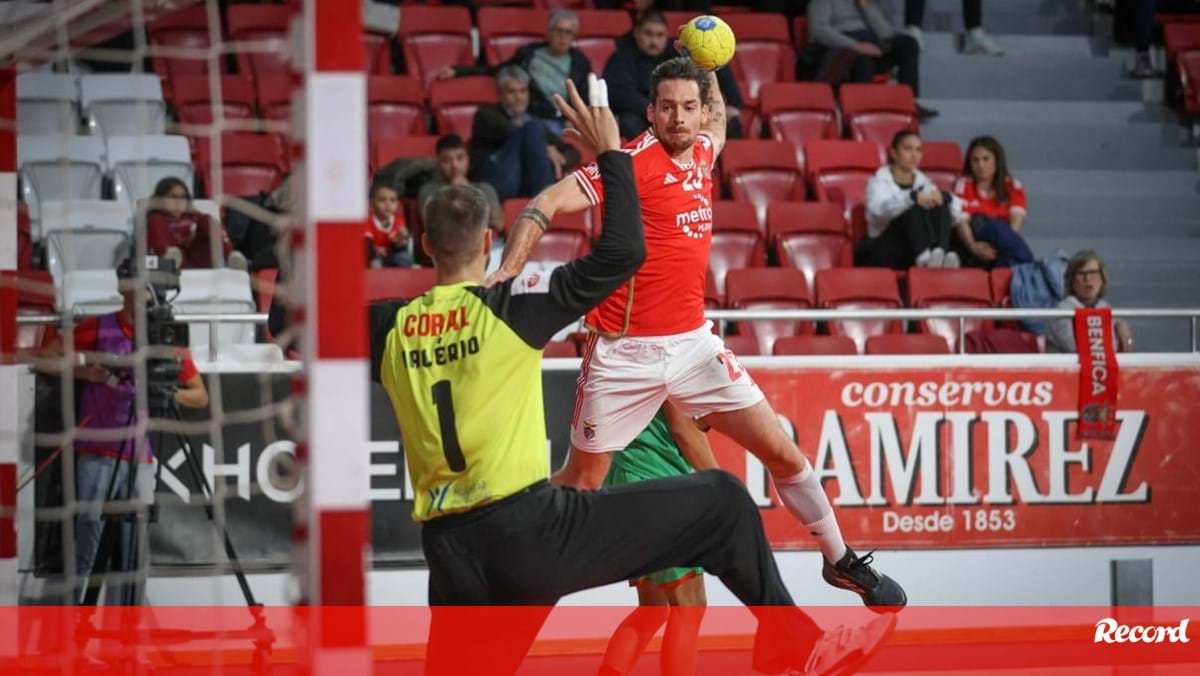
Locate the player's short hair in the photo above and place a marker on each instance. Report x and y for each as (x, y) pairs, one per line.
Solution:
(449, 142)
(680, 68)
(455, 219)
(899, 137)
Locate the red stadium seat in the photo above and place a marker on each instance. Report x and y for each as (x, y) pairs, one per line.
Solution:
(818, 345)
(378, 53)
(184, 29)
(743, 346)
(504, 30)
(859, 289)
(942, 162)
(907, 343)
(1000, 279)
(275, 98)
(769, 289)
(194, 104)
(737, 241)
(598, 33)
(560, 349)
(809, 236)
(677, 19)
(262, 24)
(799, 112)
(764, 52)
(838, 170)
(386, 149)
(398, 283)
(569, 236)
(800, 33)
(950, 288)
(1189, 74)
(875, 112)
(395, 106)
(454, 102)
(250, 163)
(433, 38)
(761, 172)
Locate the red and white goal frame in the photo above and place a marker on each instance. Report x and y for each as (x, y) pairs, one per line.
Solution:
(329, 152)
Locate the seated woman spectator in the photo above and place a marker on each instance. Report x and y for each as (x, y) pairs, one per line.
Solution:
(908, 218)
(173, 224)
(994, 203)
(855, 40)
(1086, 283)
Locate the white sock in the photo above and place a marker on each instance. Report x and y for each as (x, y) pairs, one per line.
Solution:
(806, 500)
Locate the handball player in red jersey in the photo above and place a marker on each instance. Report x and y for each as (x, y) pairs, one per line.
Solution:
(650, 340)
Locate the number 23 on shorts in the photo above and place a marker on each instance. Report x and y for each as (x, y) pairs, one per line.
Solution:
(731, 364)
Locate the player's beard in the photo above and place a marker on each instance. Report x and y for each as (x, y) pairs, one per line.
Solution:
(676, 142)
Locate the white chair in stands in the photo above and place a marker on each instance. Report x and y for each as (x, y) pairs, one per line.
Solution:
(85, 235)
(88, 292)
(47, 104)
(216, 291)
(85, 214)
(137, 163)
(58, 168)
(126, 104)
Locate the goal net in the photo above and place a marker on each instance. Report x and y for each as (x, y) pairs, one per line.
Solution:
(165, 343)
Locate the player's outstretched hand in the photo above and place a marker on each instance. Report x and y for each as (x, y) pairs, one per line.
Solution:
(594, 125)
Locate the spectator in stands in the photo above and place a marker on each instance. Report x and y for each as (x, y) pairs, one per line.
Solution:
(628, 76)
(513, 150)
(908, 219)
(976, 40)
(994, 203)
(1143, 29)
(108, 403)
(854, 40)
(549, 63)
(1086, 283)
(453, 167)
(173, 224)
(387, 237)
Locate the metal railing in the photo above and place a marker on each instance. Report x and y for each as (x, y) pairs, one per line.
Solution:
(722, 317)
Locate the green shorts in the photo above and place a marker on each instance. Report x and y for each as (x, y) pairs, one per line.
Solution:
(668, 577)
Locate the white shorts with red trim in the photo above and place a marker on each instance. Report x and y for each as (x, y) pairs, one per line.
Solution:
(623, 383)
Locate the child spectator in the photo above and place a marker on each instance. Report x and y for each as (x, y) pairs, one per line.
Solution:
(388, 240)
(994, 203)
(173, 224)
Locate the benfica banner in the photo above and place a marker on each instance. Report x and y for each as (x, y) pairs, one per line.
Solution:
(985, 457)
(912, 458)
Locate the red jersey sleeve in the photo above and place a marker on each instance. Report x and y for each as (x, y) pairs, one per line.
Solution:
(588, 179)
(1016, 196)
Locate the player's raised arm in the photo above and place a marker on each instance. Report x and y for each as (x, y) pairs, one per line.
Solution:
(714, 121)
(538, 306)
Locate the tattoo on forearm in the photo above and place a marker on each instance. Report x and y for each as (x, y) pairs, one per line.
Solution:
(537, 216)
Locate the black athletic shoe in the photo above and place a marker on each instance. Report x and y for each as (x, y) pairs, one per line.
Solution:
(878, 591)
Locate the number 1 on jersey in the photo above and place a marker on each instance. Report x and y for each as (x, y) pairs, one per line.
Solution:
(449, 432)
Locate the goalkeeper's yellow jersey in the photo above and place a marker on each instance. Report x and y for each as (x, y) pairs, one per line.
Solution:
(462, 363)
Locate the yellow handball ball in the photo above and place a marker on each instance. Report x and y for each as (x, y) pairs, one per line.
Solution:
(708, 41)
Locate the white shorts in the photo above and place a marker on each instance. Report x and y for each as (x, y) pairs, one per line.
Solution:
(624, 382)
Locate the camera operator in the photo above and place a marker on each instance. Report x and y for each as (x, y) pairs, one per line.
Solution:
(108, 400)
